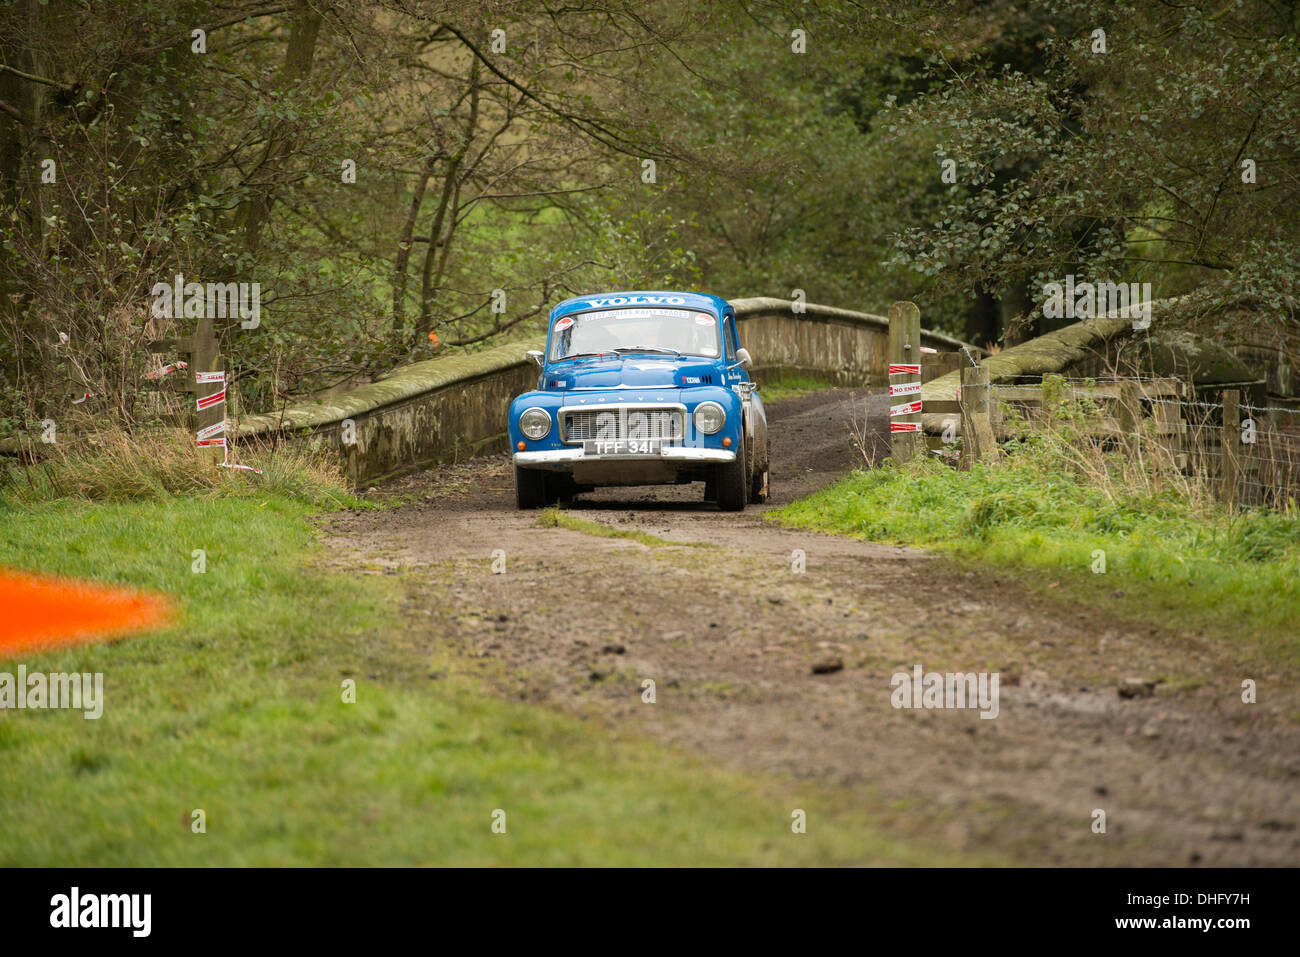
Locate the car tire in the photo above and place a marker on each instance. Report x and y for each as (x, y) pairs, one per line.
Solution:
(758, 490)
(733, 483)
(530, 488)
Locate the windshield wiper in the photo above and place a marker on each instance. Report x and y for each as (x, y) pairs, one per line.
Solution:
(585, 355)
(622, 349)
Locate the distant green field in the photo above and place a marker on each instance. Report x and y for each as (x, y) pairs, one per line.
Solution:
(238, 711)
(780, 388)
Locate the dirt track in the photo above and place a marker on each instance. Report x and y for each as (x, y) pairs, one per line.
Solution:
(730, 634)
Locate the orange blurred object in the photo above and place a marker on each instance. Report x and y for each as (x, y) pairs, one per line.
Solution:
(38, 613)
(521, 445)
(726, 442)
(433, 337)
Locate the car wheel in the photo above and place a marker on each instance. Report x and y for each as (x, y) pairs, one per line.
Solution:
(710, 490)
(530, 488)
(758, 490)
(732, 485)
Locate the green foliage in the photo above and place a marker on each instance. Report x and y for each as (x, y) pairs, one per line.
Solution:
(1128, 164)
(490, 185)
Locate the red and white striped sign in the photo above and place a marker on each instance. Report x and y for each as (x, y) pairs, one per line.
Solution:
(907, 408)
(209, 377)
(905, 388)
(212, 443)
(211, 430)
(208, 401)
(904, 426)
(901, 368)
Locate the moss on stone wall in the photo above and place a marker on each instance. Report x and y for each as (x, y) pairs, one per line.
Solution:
(406, 383)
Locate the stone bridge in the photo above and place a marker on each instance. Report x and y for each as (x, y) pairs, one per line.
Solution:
(456, 405)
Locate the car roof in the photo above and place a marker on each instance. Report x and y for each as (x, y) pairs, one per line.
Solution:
(641, 297)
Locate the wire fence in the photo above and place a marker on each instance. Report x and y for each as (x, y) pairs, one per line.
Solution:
(1252, 451)
(1223, 439)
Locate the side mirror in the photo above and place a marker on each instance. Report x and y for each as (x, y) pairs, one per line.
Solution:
(744, 357)
(535, 355)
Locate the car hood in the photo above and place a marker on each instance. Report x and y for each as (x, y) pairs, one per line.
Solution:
(630, 373)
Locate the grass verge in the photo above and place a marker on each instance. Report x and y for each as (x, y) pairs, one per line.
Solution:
(558, 518)
(158, 464)
(238, 710)
(1149, 556)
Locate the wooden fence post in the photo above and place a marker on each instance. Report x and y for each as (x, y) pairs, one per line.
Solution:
(201, 347)
(1228, 439)
(905, 349)
(1129, 414)
(978, 443)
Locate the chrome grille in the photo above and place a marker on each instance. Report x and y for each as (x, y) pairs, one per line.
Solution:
(624, 422)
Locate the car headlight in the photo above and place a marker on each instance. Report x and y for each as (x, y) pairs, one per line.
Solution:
(535, 423)
(709, 417)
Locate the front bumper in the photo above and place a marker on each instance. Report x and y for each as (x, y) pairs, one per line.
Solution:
(670, 455)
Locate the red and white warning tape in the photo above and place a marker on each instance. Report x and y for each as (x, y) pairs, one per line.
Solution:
(170, 367)
(208, 401)
(907, 408)
(904, 368)
(208, 431)
(231, 465)
(904, 426)
(905, 388)
(205, 435)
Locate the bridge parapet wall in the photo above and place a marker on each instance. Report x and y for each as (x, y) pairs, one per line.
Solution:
(454, 406)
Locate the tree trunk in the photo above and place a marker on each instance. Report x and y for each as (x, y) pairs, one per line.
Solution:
(253, 213)
(404, 244)
(450, 195)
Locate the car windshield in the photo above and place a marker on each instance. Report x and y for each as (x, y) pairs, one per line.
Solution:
(667, 331)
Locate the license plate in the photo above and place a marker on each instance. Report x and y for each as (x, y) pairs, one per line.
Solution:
(622, 446)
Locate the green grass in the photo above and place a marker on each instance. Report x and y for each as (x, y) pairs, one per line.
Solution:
(792, 387)
(237, 710)
(1166, 560)
(558, 518)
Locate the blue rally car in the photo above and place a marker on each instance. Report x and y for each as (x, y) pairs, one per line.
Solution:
(641, 388)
